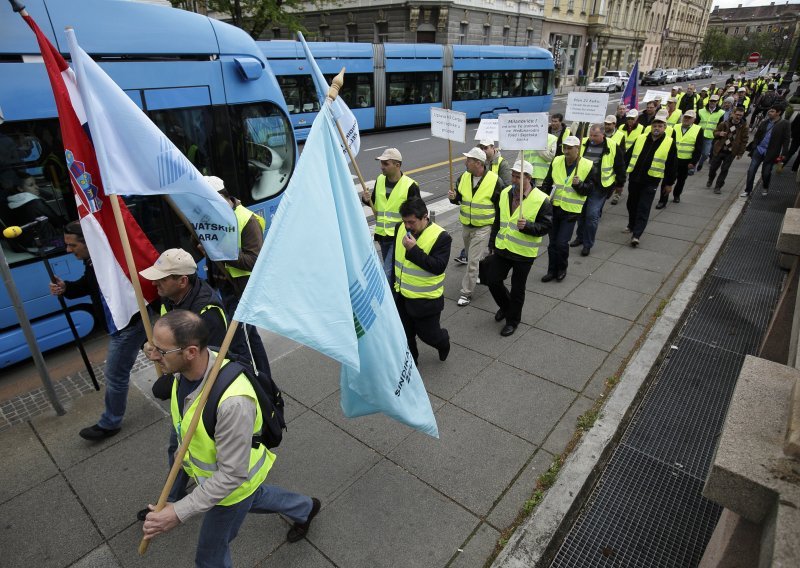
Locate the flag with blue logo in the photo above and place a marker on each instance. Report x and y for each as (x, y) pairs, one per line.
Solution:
(318, 281)
(341, 112)
(630, 96)
(136, 158)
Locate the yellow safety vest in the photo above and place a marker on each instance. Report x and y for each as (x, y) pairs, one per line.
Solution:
(659, 158)
(678, 99)
(607, 177)
(709, 121)
(649, 129)
(509, 237)
(540, 165)
(632, 137)
(388, 209)
(205, 308)
(243, 215)
(409, 279)
(200, 461)
(477, 210)
(684, 143)
(564, 195)
(675, 117)
(619, 138)
(496, 165)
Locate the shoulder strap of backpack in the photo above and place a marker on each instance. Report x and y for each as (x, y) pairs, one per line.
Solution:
(225, 378)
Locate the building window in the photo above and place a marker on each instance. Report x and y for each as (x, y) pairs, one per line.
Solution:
(463, 34)
(570, 5)
(556, 4)
(324, 32)
(487, 34)
(351, 32)
(381, 32)
(276, 33)
(505, 36)
(529, 37)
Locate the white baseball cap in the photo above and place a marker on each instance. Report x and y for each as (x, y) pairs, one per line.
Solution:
(611, 118)
(661, 116)
(172, 262)
(690, 113)
(486, 142)
(523, 167)
(633, 113)
(475, 153)
(216, 183)
(571, 141)
(391, 154)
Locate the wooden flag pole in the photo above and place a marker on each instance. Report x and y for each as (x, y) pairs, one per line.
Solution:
(333, 92)
(450, 163)
(178, 463)
(133, 273)
(521, 183)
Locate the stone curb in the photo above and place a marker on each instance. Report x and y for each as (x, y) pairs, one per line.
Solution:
(529, 544)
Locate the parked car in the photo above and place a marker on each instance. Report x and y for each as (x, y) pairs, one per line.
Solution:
(681, 74)
(695, 74)
(708, 71)
(621, 78)
(604, 84)
(655, 77)
(672, 75)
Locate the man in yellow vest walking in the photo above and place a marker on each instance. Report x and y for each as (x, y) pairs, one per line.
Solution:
(631, 132)
(570, 179)
(421, 253)
(230, 472)
(688, 144)
(523, 215)
(392, 187)
(652, 164)
(476, 193)
(708, 118)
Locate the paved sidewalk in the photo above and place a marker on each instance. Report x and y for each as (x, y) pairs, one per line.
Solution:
(391, 497)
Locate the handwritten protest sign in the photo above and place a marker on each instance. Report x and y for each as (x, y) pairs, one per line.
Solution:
(487, 129)
(586, 107)
(523, 131)
(449, 124)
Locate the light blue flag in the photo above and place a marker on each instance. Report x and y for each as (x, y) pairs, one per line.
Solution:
(318, 281)
(136, 158)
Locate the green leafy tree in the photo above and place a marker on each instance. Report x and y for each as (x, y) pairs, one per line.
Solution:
(253, 16)
(715, 46)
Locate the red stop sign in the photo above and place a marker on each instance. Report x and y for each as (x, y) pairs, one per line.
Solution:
(754, 57)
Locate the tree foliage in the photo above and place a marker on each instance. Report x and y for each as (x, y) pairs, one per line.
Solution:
(718, 47)
(253, 16)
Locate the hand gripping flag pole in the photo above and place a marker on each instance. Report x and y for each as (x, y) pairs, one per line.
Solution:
(333, 92)
(201, 404)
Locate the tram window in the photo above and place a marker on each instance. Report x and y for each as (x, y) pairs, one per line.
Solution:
(413, 88)
(188, 129)
(266, 149)
(357, 89)
(474, 85)
(299, 93)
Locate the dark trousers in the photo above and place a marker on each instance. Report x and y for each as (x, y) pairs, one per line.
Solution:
(254, 342)
(511, 302)
(682, 168)
(560, 234)
(640, 198)
(428, 328)
(721, 161)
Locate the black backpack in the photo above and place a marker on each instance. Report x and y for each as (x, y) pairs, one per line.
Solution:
(269, 398)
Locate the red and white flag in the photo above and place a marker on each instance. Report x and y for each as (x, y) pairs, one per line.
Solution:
(94, 207)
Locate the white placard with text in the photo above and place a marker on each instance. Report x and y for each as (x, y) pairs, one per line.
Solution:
(487, 130)
(586, 107)
(523, 131)
(651, 94)
(449, 124)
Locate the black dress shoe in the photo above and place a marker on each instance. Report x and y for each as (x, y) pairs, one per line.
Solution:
(499, 315)
(444, 352)
(548, 277)
(560, 276)
(576, 243)
(299, 530)
(676, 199)
(96, 433)
(508, 330)
(585, 251)
(661, 205)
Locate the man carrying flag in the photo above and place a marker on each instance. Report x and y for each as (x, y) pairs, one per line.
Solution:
(97, 237)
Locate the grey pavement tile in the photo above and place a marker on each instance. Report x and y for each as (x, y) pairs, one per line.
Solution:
(318, 459)
(585, 325)
(603, 248)
(377, 431)
(60, 433)
(696, 207)
(452, 280)
(534, 308)
(478, 548)
(677, 276)
(258, 536)
(46, 527)
(474, 329)
(609, 299)
(25, 462)
(675, 217)
(612, 233)
(306, 375)
(296, 555)
(450, 463)
(582, 265)
(628, 277)
(292, 409)
(552, 289)
(651, 308)
(628, 343)
(119, 481)
(515, 400)
(393, 519)
(513, 500)
(100, 557)
(649, 260)
(445, 379)
(666, 245)
(556, 358)
(597, 384)
(562, 433)
(659, 229)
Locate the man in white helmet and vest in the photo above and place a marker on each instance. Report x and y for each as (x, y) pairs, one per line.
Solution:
(569, 180)
(652, 164)
(421, 253)
(523, 216)
(229, 466)
(688, 146)
(392, 187)
(475, 193)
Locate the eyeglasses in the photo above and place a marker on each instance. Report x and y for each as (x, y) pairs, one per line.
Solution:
(168, 351)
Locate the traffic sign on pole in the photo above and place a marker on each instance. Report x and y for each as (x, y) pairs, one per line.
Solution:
(754, 57)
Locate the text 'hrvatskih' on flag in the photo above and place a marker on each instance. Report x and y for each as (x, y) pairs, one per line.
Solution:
(136, 158)
(94, 207)
(341, 112)
(320, 283)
